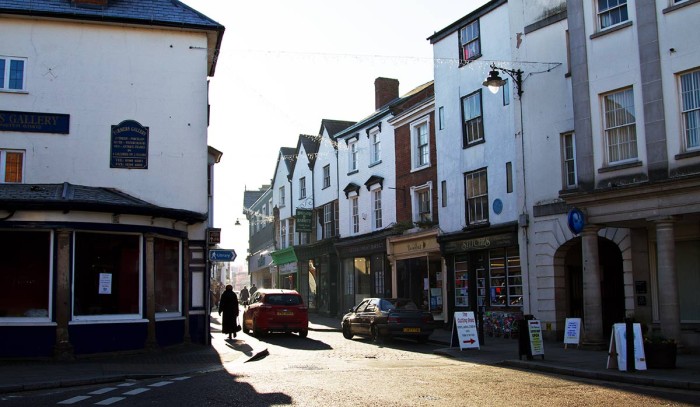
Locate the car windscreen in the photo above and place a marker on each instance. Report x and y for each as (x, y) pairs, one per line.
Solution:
(282, 299)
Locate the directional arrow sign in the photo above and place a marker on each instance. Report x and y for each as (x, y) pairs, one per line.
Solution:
(222, 255)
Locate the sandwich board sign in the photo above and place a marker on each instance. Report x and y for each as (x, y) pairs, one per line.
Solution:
(572, 332)
(534, 329)
(467, 335)
(617, 353)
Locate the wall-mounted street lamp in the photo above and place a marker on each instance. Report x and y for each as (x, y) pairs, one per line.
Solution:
(494, 80)
(238, 223)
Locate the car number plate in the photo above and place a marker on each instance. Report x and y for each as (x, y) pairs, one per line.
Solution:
(411, 329)
(285, 313)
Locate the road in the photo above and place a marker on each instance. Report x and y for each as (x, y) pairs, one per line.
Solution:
(327, 370)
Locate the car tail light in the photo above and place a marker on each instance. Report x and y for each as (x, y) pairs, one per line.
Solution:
(428, 318)
(394, 319)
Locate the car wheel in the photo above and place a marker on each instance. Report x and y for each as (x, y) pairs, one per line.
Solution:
(244, 328)
(304, 333)
(347, 333)
(374, 334)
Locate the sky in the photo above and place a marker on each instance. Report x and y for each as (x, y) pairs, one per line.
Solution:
(286, 65)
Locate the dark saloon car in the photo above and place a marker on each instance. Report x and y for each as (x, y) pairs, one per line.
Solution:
(379, 318)
(274, 310)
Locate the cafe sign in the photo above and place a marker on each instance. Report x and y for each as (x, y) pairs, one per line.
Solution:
(129, 146)
(33, 122)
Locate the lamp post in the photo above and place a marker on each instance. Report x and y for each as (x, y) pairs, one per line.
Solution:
(495, 82)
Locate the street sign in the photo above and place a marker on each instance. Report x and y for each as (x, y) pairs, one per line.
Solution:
(222, 255)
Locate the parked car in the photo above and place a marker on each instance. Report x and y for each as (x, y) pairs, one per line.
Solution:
(379, 318)
(276, 310)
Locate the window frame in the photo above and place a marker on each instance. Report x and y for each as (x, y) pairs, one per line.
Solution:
(353, 164)
(474, 121)
(609, 13)
(302, 188)
(281, 197)
(354, 215)
(4, 166)
(159, 289)
(613, 130)
(690, 111)
(375, 148)
(7, 71)
(420, 151)
(464, 43)
(481, 199)
(326, 176)
(377, 217)
(416, 204)
(328, 220)
(568, 160)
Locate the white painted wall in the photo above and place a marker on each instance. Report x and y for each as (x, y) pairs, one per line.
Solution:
(302, 170)
(326, 156)
(101, 75)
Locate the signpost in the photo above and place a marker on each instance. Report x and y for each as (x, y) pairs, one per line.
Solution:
(467, 335)
(572, 331)
(222, 255)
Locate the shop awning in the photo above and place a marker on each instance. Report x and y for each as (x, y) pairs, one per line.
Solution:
(284, 256)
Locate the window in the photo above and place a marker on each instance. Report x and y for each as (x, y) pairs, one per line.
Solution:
(376, 147)
(377, 208)
(283, 234)
(443, 187)
(12, 73)
(421, 148)
(290, 232)
(441, 117)
(11, 166)
(352, 156)
(354, 215)
(506, 92)
(469, 42)
(281, 198)
(302, 188)
(107, 275)
(477, 197)
(167, 275)
(690, 101)
(473, 130)
(619, 122)
(326, 176)
(25, 280)
(509, 177)
(611, 12)
(329, 229)
(568, 153)
(423, 205)
(506, 279)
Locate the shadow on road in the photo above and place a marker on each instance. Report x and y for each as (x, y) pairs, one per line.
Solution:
(293, 341)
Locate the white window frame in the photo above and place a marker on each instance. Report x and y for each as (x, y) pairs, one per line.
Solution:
(326, 176)
(352, 156)
(281, 197)
(5, 74)
(290, 231)
(376, 208)
(568, 160)
(3, 165)
(690, 108)
(475, 121)
(375, 138)
(302, 188)
(477, 199)
(416, 145)
(620, 133)
(416, 192)
(283, 234)
(328, 220)
(354, 215)
(604, 15)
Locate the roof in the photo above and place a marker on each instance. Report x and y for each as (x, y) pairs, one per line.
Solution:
(69, 197)
(165, 13)
(334, 126)
(474, 15)
(311, 144)
(251, 197)
(288, 155)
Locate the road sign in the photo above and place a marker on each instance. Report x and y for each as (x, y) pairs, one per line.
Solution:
(222, 255)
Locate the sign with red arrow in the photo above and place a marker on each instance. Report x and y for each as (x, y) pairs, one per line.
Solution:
(465, 324)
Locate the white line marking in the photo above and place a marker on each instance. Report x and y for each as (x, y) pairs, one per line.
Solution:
(126, 384)
(135, 392)
(182, 378)
(102, 391)
(74, 400)
(109, 401)
(160, 384)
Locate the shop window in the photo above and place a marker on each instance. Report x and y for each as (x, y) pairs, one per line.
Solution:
(107, 275)
(167, 275)
(506, 282)
(25, 280)
(362, 274)
(461, 282)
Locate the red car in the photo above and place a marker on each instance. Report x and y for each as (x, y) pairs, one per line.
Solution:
(275, 310)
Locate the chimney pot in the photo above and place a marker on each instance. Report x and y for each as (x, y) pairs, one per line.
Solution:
(385, 90)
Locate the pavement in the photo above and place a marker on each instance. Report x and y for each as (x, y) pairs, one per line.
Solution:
(33, 374)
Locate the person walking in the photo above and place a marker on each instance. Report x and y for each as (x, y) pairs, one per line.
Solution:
(253, 289)
(229, 307)
(244, 295)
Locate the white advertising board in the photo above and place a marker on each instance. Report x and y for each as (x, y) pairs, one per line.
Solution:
(465, 324)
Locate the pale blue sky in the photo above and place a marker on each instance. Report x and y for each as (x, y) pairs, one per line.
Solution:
(286, 65)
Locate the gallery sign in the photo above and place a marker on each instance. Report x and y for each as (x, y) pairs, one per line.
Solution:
(303, 219)
(129, 146)
(33, 122)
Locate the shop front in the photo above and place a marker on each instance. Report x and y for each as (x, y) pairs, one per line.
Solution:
(484, 275)
(318, 263)
(365, 269)
(418, 272)
(285, 261)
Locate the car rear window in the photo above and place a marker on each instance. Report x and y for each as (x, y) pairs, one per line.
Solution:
(282, 299)
(388, 305)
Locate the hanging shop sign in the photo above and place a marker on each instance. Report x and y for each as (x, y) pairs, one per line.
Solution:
(303, 220)
(33, 122)
(129, 146)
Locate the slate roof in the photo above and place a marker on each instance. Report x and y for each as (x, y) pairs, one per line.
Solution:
(334, 126)
(166, 13)
(251, 197)
(69, 197)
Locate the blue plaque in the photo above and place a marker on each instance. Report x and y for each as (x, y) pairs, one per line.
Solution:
(575, 221)
(32, 122)
(497, 206)
(129, 147)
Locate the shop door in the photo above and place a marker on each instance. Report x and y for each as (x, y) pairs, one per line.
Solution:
(434, 295)
(411, 277)
(611, 285)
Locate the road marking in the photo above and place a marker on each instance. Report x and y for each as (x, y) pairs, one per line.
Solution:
(74, 400)
(126, 384)
(135, 392)
(160, 384)
(109, 401)
(182, 378)
(102, 391)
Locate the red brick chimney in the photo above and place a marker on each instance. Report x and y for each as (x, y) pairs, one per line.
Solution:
(99, 3)
(385, 90)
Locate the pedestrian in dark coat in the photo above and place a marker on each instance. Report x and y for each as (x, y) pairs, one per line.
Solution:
(229, 307)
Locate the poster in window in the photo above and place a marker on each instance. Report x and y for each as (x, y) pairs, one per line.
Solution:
(105, 286)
